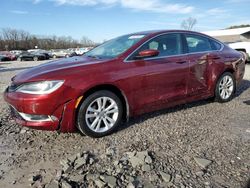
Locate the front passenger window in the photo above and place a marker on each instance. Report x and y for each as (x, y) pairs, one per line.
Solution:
(167, 45)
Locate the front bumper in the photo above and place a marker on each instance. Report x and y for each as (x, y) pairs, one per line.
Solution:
(41, 112)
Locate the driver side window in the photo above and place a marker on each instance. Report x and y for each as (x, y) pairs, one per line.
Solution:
(167, 45)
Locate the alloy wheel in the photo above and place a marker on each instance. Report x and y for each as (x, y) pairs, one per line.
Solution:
(102, 114)
(226, 87)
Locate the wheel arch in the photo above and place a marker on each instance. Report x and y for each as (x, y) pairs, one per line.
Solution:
(228, 69)
(113, 89)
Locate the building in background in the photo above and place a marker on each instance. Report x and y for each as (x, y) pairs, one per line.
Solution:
(231, 35)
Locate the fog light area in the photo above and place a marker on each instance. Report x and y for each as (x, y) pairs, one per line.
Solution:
(31, 117)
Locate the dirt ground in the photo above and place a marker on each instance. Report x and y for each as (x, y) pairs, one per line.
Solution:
(217, 132)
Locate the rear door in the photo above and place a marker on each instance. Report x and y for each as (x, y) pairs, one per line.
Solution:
(199, 50)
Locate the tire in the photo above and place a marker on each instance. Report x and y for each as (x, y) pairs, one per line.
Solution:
(35, 58)
(107, 123)
(225, 88)
(54, 56)
(67, 56)
(19, 59)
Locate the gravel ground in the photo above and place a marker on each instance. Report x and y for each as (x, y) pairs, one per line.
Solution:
(202, 144)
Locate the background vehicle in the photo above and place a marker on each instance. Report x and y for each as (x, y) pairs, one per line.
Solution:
(4, 58)
(242, 47)
(126, 76)
(9, 55)
(16, 52)
(62, 53)
(81, 51)
(26, 56)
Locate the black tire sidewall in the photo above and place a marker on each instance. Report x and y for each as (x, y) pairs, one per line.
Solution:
(217, 92)
(81, 122)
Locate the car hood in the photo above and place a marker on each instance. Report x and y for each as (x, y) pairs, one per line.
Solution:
(51, 69)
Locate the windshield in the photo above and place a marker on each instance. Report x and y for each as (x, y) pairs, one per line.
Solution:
(114, 47)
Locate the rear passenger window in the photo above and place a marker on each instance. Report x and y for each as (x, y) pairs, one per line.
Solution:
(197, 43)
(215, 45)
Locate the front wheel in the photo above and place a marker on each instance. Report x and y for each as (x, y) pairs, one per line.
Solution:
(225, 87)
(100, 114)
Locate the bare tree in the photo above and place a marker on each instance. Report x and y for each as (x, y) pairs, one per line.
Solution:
(12, 39)
(189, 23)
(85, 42)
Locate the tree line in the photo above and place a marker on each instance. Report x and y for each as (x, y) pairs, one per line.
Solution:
(13, 39)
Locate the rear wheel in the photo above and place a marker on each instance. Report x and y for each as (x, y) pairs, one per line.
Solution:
(100, 114)
(225, 87)
(19, 59)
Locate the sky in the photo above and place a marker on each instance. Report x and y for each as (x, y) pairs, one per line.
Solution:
(101, 20)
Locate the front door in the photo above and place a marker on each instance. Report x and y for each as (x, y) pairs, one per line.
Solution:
(163, 79)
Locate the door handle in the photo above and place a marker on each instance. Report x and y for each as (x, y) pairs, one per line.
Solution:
(181, 62)
(214, 57)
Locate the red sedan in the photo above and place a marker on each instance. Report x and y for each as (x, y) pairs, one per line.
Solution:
(11, 56)
(124, 77)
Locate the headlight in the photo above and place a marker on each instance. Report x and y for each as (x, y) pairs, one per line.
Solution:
(40, 88)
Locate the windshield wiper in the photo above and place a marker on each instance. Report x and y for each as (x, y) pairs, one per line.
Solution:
(93, 56)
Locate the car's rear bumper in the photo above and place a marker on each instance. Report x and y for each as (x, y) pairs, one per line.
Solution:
(240, 70)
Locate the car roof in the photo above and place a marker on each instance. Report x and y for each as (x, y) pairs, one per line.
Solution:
(156, 32)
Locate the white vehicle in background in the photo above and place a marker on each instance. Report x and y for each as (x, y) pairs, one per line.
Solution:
(242, 47)
(16, 52)
(81, 51)
(33, 50)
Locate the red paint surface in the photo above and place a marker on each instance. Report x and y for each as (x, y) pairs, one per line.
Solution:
(147, 85)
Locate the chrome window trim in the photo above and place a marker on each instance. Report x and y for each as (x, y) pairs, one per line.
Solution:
(162, 57)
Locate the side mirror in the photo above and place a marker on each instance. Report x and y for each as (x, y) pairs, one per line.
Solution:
(147, 54)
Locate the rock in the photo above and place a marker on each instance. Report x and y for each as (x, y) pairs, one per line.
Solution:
(66, 185)
(72, 158)
(146, 168)
(91, 161)
(199, 173)
(110, 180)
(53, 184)
(77, 178)
(131, 185)
(135, 161)
(177, 178)
(92, 176)
(116, 163)
(65, 166)
(148, 159)
(166, 177)
(135, 183)
(147, 184)
(202, 162)
(23, 131)
(142, 155)
(99, 183)
(79, 162)
(110, 151)
(130, 154)
(59, 175)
